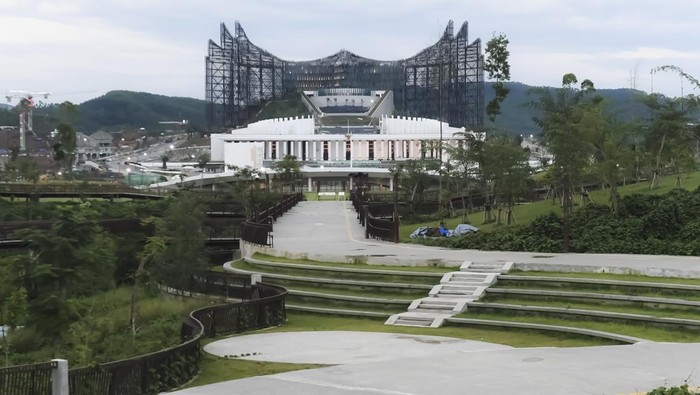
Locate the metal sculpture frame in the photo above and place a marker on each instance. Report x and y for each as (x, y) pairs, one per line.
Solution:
(444, 81)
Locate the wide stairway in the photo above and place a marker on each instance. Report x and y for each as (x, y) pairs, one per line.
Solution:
(451, 296)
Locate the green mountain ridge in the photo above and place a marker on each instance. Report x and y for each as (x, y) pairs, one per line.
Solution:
(117, 110)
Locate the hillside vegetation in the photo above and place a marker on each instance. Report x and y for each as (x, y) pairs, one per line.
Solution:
(662, 221)
(132, 110)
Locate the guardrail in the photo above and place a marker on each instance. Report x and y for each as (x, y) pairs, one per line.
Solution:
(259, 230)
(170, 368)
(381, 221)
(32, 379)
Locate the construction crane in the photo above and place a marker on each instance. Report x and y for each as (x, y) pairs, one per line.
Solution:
(26, 107)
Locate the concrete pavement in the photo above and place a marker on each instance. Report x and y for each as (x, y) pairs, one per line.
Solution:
(329, 231)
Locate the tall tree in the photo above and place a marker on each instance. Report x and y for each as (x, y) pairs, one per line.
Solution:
(498, 68)
(289, 171)
(73, 258)
(64, 145)
(155, 245)
(564, 139)
(181, 229)
(609, 143)
(507, 170)
(668, 135)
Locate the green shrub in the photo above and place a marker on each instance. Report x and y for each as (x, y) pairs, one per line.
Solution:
(25, 340)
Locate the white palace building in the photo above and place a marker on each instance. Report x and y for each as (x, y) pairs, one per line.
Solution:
(350, 132)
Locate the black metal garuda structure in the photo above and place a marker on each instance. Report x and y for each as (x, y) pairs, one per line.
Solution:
(444, 81)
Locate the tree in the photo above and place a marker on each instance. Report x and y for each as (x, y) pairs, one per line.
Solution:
(497, 67)
(181, 230)
(289, 170)
(564, 139)
(64, 148)
(155, 245)
(508, 171)
(244, 190)
(73, 258)
(202, 161)
(608, 140)
(415, 178)
(68, 112)
(668, 135)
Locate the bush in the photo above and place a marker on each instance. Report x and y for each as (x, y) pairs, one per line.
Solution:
(25, 340)
(657, 225)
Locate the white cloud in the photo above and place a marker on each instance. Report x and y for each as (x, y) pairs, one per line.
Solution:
(657, 54)
(159, 45)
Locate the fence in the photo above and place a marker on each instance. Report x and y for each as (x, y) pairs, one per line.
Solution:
(259, 230)
(381, 222)
(27, 379)
(170, 368)
(379, 219)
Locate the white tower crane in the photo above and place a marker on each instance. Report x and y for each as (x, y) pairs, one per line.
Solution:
(26, 102)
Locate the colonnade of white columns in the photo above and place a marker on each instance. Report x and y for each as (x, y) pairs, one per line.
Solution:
(359, 149)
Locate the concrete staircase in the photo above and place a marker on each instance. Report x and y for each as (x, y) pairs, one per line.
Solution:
(451, 296)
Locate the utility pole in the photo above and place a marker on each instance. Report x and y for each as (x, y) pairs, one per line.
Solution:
(25, 113)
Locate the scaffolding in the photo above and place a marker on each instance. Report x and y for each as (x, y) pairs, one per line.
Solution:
(444, 81)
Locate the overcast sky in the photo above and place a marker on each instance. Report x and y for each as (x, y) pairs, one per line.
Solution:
(80, 49)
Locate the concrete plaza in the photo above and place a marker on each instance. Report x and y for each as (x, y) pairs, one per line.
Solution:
(402, 364)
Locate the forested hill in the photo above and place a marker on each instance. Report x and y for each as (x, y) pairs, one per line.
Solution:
(517, 109)
(133, 110)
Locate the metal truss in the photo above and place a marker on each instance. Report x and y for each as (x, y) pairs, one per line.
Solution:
(444, 81)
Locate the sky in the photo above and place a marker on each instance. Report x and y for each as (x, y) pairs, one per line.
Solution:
(81, 49)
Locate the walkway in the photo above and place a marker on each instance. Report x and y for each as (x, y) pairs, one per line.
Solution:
(330, 231)
(324, 230)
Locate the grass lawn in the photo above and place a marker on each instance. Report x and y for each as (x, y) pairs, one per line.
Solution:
(672, 334)
(527, 212)
(611, 276)
(602, 288)
(216, 369)
(422, 269)
(517, 338)
(597, 305)
(331, 274)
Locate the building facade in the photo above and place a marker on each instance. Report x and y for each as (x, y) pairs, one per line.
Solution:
(396, 139)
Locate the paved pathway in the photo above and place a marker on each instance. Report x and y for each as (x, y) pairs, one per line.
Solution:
(329, 230)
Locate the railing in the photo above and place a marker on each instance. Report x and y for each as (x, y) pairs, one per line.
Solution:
(381, 222)
(259, 230)
(75, 189)
(271, 214)
(32, 379)
(379, 219)
(173, 367)
(257, 233)
(213, 227)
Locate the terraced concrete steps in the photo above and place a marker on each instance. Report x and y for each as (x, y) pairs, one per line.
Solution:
(486, 267)
(452, 295)
(437, 305)
(423, 320)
